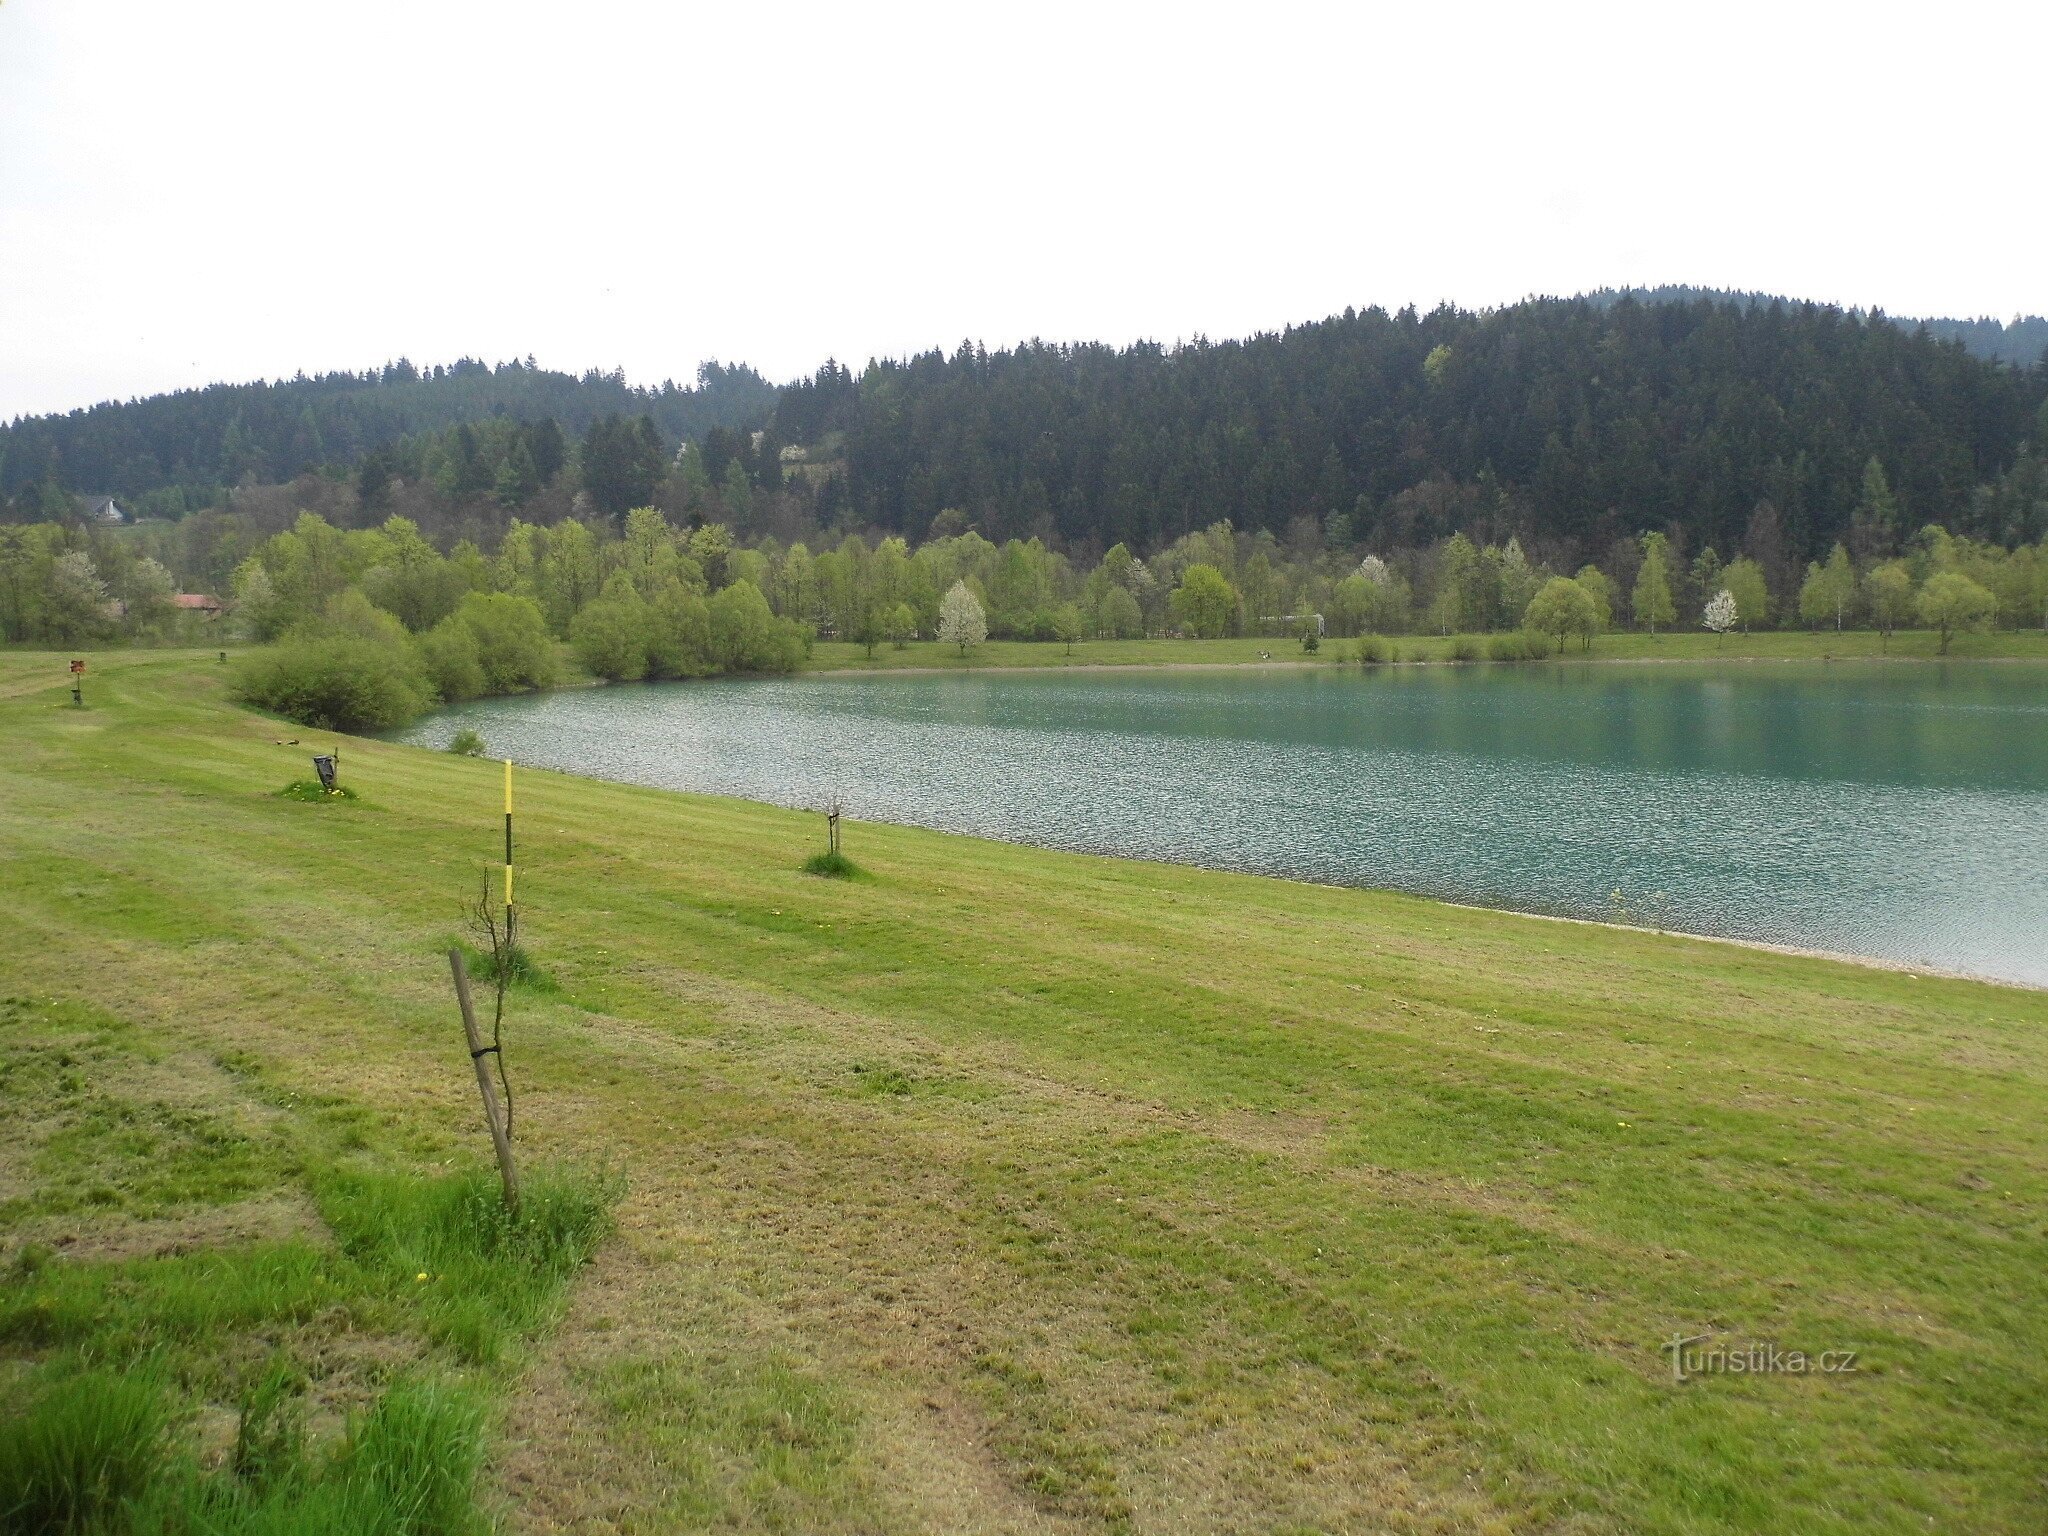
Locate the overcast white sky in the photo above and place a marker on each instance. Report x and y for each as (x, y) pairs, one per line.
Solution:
(231, 189)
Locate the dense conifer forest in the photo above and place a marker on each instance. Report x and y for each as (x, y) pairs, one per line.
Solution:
(1570, 423)
(2021, 341)
(172, 453)
(1559, 420)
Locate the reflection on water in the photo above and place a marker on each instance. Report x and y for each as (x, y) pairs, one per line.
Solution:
(1887, 810)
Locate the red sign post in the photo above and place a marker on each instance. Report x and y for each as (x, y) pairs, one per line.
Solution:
(77, 682)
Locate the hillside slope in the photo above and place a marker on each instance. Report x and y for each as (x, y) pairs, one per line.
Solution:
(219, 436)
(1563, 420)
(1013, 1191)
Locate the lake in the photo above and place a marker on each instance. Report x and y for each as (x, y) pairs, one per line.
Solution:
(1894, 810)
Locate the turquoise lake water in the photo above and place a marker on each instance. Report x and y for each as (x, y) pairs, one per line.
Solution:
(1897, 810)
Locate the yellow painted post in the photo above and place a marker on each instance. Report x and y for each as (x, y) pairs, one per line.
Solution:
(509, 909)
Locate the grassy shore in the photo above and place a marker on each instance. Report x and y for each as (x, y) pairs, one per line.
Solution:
(1773, 645)
(996, 1189)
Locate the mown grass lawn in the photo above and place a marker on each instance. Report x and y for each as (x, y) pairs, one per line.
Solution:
(997, 1189)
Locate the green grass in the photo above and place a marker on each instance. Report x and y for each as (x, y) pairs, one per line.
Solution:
(95, 1452)
(82, 1448)
(999, 1186)
(122, 1355)
(479, 1277)
(1772, 645)
(312, 791)
(138, 1298)
(832, 866)
(521, 968)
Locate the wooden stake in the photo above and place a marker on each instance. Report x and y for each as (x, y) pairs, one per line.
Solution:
(477, 1052)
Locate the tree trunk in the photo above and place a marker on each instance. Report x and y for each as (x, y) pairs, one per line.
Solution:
(500, 1142)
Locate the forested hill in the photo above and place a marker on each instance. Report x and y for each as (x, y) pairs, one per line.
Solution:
(196, 440)
(1571, 422)
(2021, 341)
(1559, 418)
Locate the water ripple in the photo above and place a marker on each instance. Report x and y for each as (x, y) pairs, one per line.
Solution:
(1899, 812)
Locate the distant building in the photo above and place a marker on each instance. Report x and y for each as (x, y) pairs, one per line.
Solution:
(104, 509)
(197, 602)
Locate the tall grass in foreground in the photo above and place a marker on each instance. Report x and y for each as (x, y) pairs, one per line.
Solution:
(481, 1276)
(81, 1451)
(94, 1449)
(91, 1455)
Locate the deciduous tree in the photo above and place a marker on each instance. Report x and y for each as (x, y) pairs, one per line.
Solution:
(1721, 614)
(1562, 608)
(1950, 601)
(1744, 579)
(962, 621)
(1204, 602)
(1652, 596)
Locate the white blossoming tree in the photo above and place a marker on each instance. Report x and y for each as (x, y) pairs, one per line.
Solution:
(1721, 613)
(76, 598)
(961, 620)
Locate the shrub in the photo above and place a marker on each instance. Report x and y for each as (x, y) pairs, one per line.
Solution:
(1464, 648)
(1371, 651)
(610, 636)
(336, 682)
(81, 1449)
(1517, 645)
(511, 640)
(832, 866)
(679, 634)
(350, 614)
(466, 743)
(747, 637)
(453, 660)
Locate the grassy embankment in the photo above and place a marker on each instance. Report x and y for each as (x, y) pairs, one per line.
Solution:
(1000, 1189)
(1765, 645)
(1771, 645)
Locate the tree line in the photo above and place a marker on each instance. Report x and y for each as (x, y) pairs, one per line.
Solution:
(2021, 341)
(382, 621)
(174, 453)
(1568, 423)
(1571, 425)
